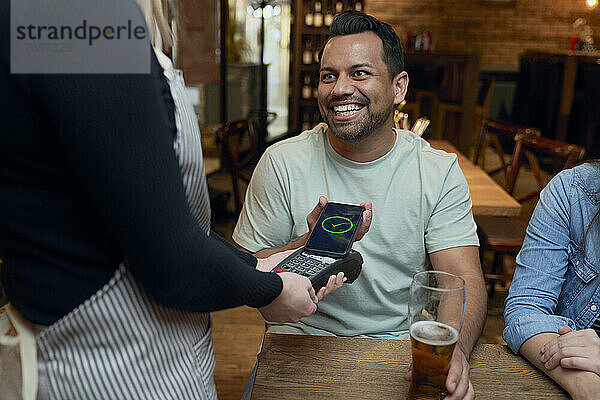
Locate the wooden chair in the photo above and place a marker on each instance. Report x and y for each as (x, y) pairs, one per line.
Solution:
(500, 235)
(531, 148)
(481, 110)
(240, 153)
(504, 235)
(490, 132)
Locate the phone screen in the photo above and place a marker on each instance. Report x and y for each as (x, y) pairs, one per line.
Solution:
(336, 228)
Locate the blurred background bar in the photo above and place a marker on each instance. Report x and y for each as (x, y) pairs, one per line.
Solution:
(252, 68)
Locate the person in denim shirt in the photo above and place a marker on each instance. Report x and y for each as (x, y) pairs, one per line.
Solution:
(554, 300)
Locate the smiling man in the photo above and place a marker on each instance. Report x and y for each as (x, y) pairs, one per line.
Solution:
(420, 199)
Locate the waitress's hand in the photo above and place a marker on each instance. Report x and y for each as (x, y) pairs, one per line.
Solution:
(297, 300)
(334, 283)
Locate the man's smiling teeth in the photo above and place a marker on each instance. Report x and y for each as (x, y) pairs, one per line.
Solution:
(347, 109)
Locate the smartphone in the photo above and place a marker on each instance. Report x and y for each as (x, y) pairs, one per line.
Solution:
(335, 230)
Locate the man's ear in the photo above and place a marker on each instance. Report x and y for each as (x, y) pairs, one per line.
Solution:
(400, 83)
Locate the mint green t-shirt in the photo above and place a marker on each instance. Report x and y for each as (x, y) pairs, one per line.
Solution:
(421, 204)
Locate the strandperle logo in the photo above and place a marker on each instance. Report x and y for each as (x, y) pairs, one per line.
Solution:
(84, 31)
(78, 37)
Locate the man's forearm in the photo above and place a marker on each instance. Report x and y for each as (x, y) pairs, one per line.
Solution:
(475, 312)
(580, 384)
(264, 253)
(464, 262)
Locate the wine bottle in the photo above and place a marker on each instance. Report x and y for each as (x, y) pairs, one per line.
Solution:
(318, 15)
(308, 17)
(306, 121)
(428, 41)
(306, 89)
(339, 7)
(307, 55)
(419, 41)
(328, 19)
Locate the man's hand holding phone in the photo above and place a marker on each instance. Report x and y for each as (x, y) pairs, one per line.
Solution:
(367, 216)
(336, 228)
(327, 257)
(311, 220)
(292, 304)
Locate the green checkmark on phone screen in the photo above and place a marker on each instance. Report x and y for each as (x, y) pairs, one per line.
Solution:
(337, 224)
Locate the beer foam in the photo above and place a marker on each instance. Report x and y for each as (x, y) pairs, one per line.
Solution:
(434, 333)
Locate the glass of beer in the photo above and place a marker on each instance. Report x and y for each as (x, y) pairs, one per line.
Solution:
(436, 310)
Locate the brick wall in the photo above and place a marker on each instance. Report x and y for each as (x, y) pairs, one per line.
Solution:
(498, 33)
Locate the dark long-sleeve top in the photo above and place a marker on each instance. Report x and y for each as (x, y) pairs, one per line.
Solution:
(89, 178)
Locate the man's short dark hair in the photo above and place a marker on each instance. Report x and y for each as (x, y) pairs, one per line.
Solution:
(351, 22)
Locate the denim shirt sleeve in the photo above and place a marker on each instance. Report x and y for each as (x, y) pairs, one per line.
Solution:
(541, 267)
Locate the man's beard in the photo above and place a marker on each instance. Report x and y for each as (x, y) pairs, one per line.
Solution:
(357, 132)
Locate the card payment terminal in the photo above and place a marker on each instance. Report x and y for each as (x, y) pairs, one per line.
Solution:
(328, 249)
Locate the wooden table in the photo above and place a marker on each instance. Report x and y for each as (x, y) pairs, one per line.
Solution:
(488, 197)
(322, 367)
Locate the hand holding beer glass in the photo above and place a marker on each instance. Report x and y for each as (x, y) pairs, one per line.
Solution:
(436, 310)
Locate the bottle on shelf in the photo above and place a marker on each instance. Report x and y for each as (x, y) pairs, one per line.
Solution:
(358, 6)
(419, 40)
(309, 17)
(339, 7)
(328, 19)
(306, 121)
(318, 15)
(307, 54)
(428, 41)
(306, 88)
(408, 41)
(316, 52)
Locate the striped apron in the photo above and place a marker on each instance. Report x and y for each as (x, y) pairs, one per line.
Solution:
(188, 146)
(119, 343)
